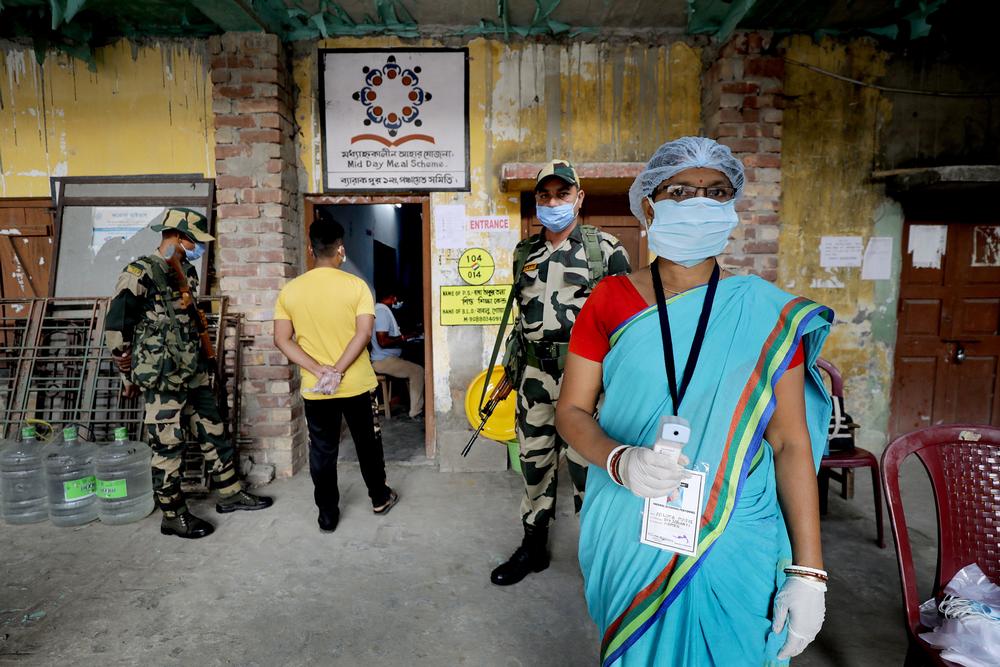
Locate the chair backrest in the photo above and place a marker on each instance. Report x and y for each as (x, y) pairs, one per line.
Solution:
(963, 462)
(838, 431)
(836, 379)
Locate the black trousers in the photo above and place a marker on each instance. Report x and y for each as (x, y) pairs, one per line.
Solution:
(324, 418)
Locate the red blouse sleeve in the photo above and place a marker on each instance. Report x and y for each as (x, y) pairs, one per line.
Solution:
(612, 302)
(798, 358)
(589, 337)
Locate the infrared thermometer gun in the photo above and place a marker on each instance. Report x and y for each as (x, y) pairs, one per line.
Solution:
(673, 434)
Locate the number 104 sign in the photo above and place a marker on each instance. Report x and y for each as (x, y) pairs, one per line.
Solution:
(476, 266)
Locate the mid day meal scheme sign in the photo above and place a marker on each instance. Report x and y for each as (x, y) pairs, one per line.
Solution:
(395, 120)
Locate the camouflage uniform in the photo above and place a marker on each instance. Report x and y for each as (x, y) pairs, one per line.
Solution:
(167, 364)
(550, 291)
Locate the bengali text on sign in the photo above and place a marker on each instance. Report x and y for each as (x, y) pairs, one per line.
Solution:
(473, 305)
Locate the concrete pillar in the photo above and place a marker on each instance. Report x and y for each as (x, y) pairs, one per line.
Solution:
(743, 107)
(257, 249)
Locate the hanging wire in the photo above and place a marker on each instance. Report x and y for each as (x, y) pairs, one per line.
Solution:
(889, 89)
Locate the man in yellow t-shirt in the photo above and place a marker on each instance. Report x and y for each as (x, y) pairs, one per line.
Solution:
(323, 321)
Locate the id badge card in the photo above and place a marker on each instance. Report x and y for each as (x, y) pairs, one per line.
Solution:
(674, 524)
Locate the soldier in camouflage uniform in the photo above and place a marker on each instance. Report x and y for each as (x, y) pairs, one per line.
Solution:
(554, 273)
(155, 344)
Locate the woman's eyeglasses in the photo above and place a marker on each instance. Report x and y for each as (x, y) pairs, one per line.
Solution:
(679, 192)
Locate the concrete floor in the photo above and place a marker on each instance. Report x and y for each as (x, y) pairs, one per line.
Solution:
(407, 589)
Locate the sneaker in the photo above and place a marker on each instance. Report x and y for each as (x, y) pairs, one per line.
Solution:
(241, 500)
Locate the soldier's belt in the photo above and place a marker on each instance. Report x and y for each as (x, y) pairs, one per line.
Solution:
(546, 356)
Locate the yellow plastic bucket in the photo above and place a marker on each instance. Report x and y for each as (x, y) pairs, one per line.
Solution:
(500, 426)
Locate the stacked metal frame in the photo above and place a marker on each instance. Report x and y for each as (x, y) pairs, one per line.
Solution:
(56, 370)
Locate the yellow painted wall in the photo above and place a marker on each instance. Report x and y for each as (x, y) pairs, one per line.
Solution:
(146, 110)
(528, 102)
(828, 149)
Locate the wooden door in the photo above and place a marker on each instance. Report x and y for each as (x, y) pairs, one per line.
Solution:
(948, 343)
(610, 213)
(26, 234)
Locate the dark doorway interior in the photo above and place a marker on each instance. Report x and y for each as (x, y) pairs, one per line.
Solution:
(384, 245)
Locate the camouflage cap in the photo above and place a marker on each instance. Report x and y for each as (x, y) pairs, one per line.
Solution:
(560, 169)
(192, 224)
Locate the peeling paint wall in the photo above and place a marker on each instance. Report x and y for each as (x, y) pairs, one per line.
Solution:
(146, 110)
(830, 143)
(528, 102)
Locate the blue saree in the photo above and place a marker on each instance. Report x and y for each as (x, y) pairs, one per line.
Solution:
(657, 607)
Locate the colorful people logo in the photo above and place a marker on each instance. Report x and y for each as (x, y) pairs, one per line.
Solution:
(392, 97)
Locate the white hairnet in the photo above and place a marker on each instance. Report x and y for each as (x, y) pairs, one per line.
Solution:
(674, 157)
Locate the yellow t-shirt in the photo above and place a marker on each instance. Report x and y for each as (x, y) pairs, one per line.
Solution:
(323, 305)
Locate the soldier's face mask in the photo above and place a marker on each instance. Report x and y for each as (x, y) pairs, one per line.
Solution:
(196, 252)
(557, 218)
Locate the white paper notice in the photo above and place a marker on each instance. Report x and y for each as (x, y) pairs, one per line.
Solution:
(450, 226)
(927, 245)
(674, 525)
(115, 222)
(878, 259)
(840, 251)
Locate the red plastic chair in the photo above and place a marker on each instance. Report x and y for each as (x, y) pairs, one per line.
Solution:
(963, 462)
(847, 459)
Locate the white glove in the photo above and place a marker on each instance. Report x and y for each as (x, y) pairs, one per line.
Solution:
(802, 602)
(647, 473)
(327, 384)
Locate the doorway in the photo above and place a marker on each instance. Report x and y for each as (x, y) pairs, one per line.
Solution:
(948, 341)
(387, 242)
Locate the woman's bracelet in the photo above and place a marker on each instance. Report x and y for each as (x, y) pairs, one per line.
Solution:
(809, 572)
(612, 463)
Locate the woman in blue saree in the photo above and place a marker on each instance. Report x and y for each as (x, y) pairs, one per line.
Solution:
(752, 592)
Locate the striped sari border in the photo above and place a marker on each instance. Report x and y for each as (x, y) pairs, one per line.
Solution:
(747, 429)
(643, 314)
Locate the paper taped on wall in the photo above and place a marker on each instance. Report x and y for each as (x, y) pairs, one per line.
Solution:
(927, 245)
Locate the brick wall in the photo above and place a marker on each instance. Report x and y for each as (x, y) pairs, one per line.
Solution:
(743, 102)
(257, 229)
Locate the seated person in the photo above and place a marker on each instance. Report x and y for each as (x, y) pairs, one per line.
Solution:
(387, 353)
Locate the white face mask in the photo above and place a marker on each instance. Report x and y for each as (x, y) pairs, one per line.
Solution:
(343, 254)
(689, 232)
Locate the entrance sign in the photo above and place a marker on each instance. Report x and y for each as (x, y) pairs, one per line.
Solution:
(395, 120)
(473, 305)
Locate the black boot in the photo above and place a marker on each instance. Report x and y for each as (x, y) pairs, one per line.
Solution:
(531, 556)
(186, 525)
(328, 521)
(241, 500)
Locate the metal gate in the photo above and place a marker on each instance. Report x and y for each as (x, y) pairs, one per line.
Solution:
(55, 368)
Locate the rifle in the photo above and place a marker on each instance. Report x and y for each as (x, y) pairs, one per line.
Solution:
(201, 324)
(486, 412)
(188, 304)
